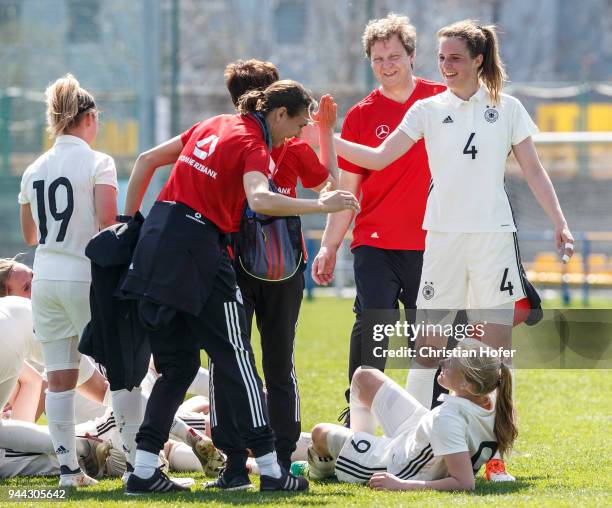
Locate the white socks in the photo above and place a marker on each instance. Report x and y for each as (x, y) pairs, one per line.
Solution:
(127, 408)
(420, 384)
(59, 407)
(25, 437)
(199, 386)
(145, 463)
(362, 418)
(268, 465)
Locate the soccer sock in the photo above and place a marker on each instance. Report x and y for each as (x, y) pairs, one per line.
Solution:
(362, 418)
(127, 408)
(301, 450)
(25, 437)
(199, 386)
(145, 463)
(196, 421)
(268, 465)
(147, 383)
(184, 432)
(59, 407)
(420, 384)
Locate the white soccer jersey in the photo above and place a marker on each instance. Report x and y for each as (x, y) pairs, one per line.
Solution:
(16, 336)
(468, 143)
(59, 187)
(457, 425)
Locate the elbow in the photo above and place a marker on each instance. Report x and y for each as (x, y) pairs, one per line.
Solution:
(258, 203)
(30, 238)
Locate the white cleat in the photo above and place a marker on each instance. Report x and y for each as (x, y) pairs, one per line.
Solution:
(212, 460)
(79, 479)
(94, 461)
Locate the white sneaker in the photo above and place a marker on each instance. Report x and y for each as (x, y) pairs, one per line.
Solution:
(79, 479)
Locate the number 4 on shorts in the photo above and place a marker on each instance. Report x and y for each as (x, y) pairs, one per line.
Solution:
(506, 285)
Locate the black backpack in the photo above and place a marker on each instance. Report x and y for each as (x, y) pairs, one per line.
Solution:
(270, 248)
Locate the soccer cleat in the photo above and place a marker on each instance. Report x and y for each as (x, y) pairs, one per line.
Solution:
(287, 483)
(345, 417)
(159, 482)
(212, 460)
(94, 462)
(495, 471)
(225, 482)
(76, 478)
(319, 468)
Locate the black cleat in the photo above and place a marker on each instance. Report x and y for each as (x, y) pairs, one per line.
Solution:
(230, 482)
(287, 482)
(159, 482)
(345, 417)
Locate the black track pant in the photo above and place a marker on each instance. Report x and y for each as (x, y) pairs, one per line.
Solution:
(220, 329)
(276, 307)
(383, 278)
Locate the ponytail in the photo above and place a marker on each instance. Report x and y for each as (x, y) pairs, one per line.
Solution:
(505, 416)
(66, 101)
(285, 93)
(492, 71)
(252, 102)
(481, 40)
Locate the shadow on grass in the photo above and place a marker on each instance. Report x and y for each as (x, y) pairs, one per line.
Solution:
(485, 488)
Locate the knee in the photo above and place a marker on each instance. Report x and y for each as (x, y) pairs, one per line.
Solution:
(181, 369)
(319, 436)
(364, 377)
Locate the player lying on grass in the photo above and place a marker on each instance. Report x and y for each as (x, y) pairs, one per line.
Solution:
(439, 449)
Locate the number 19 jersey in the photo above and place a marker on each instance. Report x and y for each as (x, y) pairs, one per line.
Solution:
(468, 143)
(59, 187)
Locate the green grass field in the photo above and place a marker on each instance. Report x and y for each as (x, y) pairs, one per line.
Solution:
(563, 456)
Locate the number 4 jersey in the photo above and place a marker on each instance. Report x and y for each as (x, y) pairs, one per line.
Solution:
(59, 188)
(468, 143)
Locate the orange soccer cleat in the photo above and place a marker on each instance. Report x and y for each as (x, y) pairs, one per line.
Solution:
(495, 471)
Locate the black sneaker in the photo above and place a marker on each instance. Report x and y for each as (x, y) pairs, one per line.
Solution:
(159, 482)
(227, 481)
(345, 417)
(287, 482)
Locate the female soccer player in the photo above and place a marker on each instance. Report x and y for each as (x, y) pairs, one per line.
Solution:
(471, 245)
(439, 449)
(67, 195)
(183, 275)
(276, 303)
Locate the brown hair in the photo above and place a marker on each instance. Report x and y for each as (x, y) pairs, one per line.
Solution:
(285, 93)
(243, 76)
(481, 40)
(384, 28)
(488, 373)
(66, 103)
(6, 266)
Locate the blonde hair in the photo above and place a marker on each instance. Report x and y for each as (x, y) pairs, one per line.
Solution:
(6, 266)
(384, 28)
(481, 40)
(487, 373)
(66, 103)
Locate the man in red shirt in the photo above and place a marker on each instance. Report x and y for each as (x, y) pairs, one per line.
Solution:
(388, 239)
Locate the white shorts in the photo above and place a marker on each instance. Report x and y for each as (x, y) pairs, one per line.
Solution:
(27, 464)
(60, 309)
(470, 271)
(363, 454)
(62, 354)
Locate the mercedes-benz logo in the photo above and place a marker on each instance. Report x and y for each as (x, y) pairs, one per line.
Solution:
(382, 131)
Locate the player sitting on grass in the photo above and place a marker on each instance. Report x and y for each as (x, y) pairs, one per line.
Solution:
(439, 449)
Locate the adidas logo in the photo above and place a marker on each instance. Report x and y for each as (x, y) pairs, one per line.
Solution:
(61, 450)
(448, 119)
(374, 235)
